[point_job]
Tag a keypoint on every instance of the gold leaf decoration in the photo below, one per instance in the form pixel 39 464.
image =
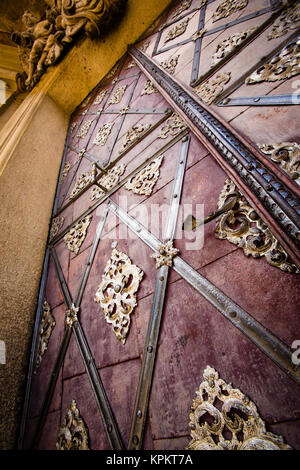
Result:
pixel 73 433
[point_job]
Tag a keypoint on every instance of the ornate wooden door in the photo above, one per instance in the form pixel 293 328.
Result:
pixel 168 313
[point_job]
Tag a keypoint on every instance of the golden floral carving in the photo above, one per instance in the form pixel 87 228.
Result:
pixel 289 20
pixel 284 65
pixel 243 227
pixel 133 134
pixel 56 225
pixel 84 180
pixel 228 45
pixel 165 254
pixel 185 5
pixel 234 422
pixel 149 88
pixel 177 30
pixel 76 236
pixel 108 181
pixel 46 327
pixel 100 97
pixel 45 39
pixel 144 181
pixel 116 292
pixel 73 433
pixel 117 95
pixel 287 155
pixel 71 316
pixel 103 133
pixel 228 7
pixel 84 129
pixel 170 64
pixel 174 124
pixel 209 90
pixel 66 169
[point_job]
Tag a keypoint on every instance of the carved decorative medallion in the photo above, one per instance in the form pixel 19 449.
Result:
pixel 199 34
pixel 144 181
pixel 289 20
pixel 209 90
pixel 100 97
pixel 228 7
pixel 45 39
pixel 71 316
pixel 117 95
pixel 228 45
pixel 243 227
pixel 284 65
pixel 133 134
pixel 116 292
pixel 149 88
pixel 170 65
pixel 108 181
pixel 84 129
pixel 103 133
pixel 287 155
pixel 56 225
pixel 84 180
pixel 174 124
pixel 165 254
pixel 73 433
pixel 75 237
pixel 223 418
pixel 46 327
pixel 177 30
pixel 185 5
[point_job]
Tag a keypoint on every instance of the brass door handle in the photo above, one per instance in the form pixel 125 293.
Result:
pixel 191 223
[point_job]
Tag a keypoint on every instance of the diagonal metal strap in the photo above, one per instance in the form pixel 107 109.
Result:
pixel 272 346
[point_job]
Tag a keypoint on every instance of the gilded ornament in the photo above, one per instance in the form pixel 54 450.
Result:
pixel 45 39
pixel 166 253
pixel 56 225
pixel 185 5
pixel 84 129
pixel 174 124
pixel 71 316
pixel 133 134
pixel 170 64
pixel 243 227
pixel 149 88
pixel 116 292
pixel 117 95
pixel 177 30
pixel 73 433
pixel 144 181
pixel 100 97
pixel 289 20
pixel 225 47
pixel 103 133
pixel 199 34
pixel 72 127
pixel 76 236
pixel 287 155
pixel 209 90
pixel 66 169
pixel 108 181
pixel 223 418
pixel 84 180
pixel 227 8
pixel 46 327
pixel 285 64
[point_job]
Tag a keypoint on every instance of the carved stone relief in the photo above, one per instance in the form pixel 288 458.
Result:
pixel 45 39
pixel 76 236
pixel 144 181
pixel 177 30
pixel 46 327
pixel 174 124
pixel 116 292
pixel 228 7
pixel 223 418
pixel 133 134
pixel 108 181
pixel 287 155
pixel 228 45
pixel 243 227
pixel 165 254
pixel 83 181
pixel 56 225
pixel 209 90
pixel 285 64
pixel 289 20
pixel 73 433
pixel 103 133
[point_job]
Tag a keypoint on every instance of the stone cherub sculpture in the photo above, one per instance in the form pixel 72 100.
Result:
pixel 44 40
